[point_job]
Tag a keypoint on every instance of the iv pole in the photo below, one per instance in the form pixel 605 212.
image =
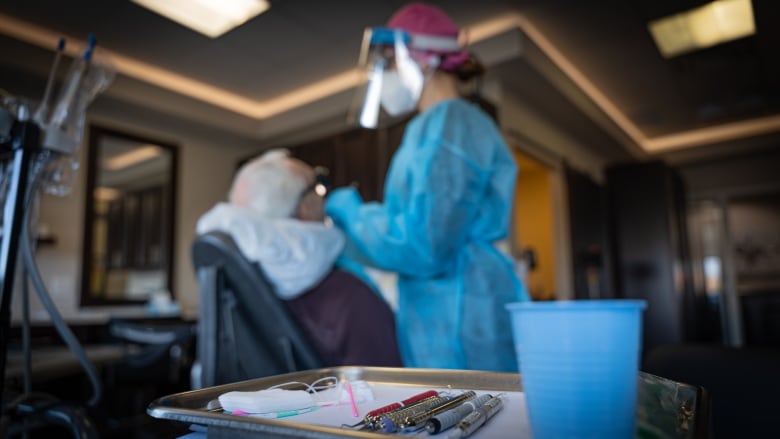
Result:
pixel 24 143
pixel 29 140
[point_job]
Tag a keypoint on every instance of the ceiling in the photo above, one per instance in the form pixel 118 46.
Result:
pixel 590 66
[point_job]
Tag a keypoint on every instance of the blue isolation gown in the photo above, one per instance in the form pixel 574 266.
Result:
pixel 448 199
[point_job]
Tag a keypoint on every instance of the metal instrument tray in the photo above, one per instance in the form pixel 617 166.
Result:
pixel 666 409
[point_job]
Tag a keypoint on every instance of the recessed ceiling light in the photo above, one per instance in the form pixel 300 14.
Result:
pixel 132 157
pixel 209 17
pixel 702 27
pixel 104 193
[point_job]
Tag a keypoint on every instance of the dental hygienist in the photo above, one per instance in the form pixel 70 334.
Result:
pixel 448 199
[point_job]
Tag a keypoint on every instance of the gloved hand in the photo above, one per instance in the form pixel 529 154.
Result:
pixel 342 203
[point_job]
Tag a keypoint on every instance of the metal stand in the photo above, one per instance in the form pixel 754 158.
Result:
pixel 24 143
pixel 30 411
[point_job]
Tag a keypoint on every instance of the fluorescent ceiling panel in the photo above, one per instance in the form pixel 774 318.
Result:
pixel 702 27
pixel 209 17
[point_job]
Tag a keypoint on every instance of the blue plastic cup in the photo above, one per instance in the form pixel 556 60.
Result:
pixel 579 365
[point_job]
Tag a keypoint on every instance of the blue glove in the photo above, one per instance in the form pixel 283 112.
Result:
pixel 342 203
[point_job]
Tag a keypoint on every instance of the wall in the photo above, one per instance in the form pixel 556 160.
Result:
pixel 719 183
pixel 649 249
pixel 543 139
pixel 534 224
pixel 540 136
pixel 207 159
pixel 746 174
pixel 588 226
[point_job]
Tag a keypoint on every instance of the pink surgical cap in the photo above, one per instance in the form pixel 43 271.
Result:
pixel 422 18
pixel 426 19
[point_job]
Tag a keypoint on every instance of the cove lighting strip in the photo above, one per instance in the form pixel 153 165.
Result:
pixel 349 79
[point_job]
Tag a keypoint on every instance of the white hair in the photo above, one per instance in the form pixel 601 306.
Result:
pixel 268 185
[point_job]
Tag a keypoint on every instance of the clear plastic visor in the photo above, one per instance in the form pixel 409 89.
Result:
pixel 392 80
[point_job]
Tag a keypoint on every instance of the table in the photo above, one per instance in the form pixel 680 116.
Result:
pixel 57 361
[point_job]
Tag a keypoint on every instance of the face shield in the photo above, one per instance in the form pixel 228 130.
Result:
pixel 392 61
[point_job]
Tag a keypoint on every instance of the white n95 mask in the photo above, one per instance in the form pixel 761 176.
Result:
pixel 396 65
pixel 396 98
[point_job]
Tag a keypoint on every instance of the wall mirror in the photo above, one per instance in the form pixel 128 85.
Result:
pixel 128 226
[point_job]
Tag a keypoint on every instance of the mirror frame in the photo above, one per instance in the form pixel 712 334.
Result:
pixel 97 134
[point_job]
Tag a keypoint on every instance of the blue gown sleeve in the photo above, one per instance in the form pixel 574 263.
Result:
pixel 419 233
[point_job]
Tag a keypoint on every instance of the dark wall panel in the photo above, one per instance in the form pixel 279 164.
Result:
pixel 647 230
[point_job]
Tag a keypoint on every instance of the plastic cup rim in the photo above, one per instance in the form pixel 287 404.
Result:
pixel 578 305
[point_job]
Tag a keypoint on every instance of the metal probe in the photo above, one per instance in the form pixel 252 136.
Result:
pixel 417 421
pixel 444 421
pixel 476 419
pixel 372 417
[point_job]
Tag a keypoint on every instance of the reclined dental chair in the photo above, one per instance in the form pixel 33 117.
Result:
pixel 244 330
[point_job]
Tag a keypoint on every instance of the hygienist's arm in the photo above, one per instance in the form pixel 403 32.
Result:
pixel 422 239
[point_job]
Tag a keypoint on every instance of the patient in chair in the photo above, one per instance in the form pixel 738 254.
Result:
pixel 275 216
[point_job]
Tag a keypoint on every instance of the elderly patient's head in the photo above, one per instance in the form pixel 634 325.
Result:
pixel 276 185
